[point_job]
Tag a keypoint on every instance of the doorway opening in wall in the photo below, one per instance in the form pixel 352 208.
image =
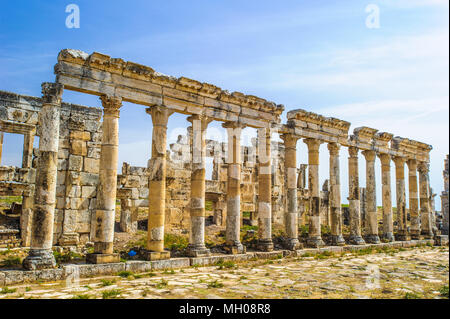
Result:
pixel 11 148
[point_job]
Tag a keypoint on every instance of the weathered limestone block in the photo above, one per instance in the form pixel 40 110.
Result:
pixel 354 198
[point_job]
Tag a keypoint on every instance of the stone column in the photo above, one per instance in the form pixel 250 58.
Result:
pixel 157 185
pixel 388 220
pixel 107 186
pixel 197 246
pixel 402 233
pixel 232 235
pixel 425 209
pixel 1 146
pixel 265 191
pixel 372 216
pixel 291 216
pixel 335 196
pixel 413 199
pixel 354 198
pixel 41 255
pixel 314 232
pixel 27 155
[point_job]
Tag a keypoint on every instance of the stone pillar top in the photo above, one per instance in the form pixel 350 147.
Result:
pixel 398 160
pixel 159 114
pixel 234 125
pixel 384 158
pixel 290 140
pixel 111 104
pixel 423 167
pixel 313 144
pixel 369 155
pixel 353 151
pixel 334 148
pixel 52 93
pixel 412 164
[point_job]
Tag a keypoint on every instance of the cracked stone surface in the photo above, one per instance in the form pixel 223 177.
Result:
pixel 397 273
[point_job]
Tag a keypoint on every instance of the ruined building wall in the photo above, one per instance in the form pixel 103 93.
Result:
pixel 78 164
pixel 445 199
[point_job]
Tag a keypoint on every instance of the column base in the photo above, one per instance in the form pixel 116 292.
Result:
pixel 415 235
pixel 389 237
pixel 198 251
pixel 315 242
pixel 403 237
pixel 155 255
pixel 292 244
pixel 356 240
pixel 264 245
pixel 98 258
pixel 39 259
pixel 235 249
pixel 373 239
pixel 427 235
pixel 337 240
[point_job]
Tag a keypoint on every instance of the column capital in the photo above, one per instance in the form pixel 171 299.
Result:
pixel 290 140
pixel 204 120
pixel 160 114
pixel 385 159
pixel 412 164
pixel 399 161
pixel 313 144
pixel 334 148
pixel 111 104
pixel 51 92
pixel 234 125
pixel 353 151
pixel 423 167
pixel 369 155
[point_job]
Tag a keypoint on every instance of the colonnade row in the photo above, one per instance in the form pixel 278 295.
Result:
pixel 40 255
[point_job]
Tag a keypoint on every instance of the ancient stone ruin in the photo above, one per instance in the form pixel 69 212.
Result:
pixel 70 184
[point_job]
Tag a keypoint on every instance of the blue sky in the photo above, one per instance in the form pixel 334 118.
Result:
pixel 317 55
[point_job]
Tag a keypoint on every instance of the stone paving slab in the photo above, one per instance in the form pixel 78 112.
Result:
pixel 11 277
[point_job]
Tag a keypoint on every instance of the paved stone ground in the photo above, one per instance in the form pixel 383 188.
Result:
pixel 395 273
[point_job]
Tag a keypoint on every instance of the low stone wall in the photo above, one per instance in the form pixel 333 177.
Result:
pixel 9 238
pixel 14 277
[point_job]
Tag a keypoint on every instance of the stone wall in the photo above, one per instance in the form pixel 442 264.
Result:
pixel 445 200
pixel 78 165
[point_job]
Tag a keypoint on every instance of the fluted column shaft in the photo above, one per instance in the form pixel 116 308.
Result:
pixel 413 199
pixel 265 191
pixel 197 210
pixel 388 221
pixel 425 207
pixel 372 216
pixel 335 195
pixel 157 183
pixel 40 255
pixel 354 197
pixel 233 222
pixel 107 187
pixel 401 201
pixel 291 216
pixel 314 232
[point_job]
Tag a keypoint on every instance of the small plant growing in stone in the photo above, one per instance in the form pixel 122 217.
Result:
pixel 225 264
pixel 411 295
pixel 444 291
pixel 27 289
pixel 215 284
pixel 125 274
pixel 106 282
pixel 6 290
pixel 162 284
pixel 168 272
pixel 10 261
pixel 111 294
